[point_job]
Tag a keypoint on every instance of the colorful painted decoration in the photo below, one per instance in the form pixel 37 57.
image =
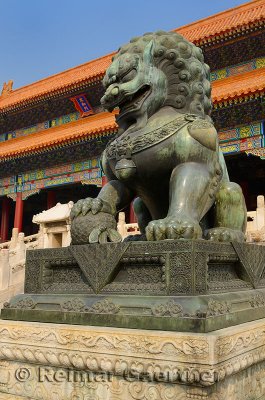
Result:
pixel 82 105
pixel 242 138
pixel 65 179
pixel 83 171
pixel 241 132
pixel 237 69
pixel 257 152
pixel 242 145
pixel 64 119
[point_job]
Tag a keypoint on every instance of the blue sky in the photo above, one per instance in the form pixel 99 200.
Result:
pixel 39 38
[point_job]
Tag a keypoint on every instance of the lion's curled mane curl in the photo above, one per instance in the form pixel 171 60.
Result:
pixel 189 88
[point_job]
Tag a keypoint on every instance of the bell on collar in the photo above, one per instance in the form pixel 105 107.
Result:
pixel 125 169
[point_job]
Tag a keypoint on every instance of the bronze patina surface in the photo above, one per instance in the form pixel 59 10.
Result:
pixel 166 153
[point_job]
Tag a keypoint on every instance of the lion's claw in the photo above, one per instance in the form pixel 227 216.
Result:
pixel 220 234
pixel 76 209
pixel 96 206
pixel 173 228
pixel 86 205
pixel 104 235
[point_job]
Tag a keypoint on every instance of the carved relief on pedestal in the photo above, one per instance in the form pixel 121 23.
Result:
pixel 127 352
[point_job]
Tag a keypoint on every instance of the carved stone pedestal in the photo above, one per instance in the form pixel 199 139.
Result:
pixel 171 320
pixel 55 362
pixel 183 286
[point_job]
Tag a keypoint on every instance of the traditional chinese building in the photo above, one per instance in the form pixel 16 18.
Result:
pixel 53 131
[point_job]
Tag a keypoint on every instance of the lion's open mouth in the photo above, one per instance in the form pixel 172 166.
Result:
pixel 134 102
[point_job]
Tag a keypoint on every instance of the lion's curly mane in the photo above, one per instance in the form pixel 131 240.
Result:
pixel 188 77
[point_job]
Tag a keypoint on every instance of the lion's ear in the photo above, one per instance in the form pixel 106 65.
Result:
pixel 149 53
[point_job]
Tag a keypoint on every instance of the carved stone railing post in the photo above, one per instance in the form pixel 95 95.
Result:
pixel 14 238
pixel 4 269
pixel 256 223
pixel 126 229
pixel 121 225
pixel 260 212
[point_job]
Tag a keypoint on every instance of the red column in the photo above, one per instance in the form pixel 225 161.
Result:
pixel 19 212
pixel 104 180
pixel 5 219
pixel 51 199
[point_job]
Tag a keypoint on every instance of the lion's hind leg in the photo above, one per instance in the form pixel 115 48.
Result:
pixel 143 218
pixel 230 214
pixel 142 213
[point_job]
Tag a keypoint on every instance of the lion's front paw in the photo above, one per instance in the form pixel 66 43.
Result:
pixel 225 235
pixel 86 205
pixel 180 227
pixel 90 228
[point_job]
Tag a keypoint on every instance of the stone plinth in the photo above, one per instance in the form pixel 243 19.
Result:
pixel 54 362
pixel 184 286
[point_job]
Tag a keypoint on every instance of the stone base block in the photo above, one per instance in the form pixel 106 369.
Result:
pixel 189 286
pixel 54 362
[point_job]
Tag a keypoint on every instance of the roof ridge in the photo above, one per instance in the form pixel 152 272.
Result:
pixel 94 69
pixel 15 91
pixel 259 3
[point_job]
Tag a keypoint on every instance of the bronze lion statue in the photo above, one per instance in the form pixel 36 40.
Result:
pixel 166 154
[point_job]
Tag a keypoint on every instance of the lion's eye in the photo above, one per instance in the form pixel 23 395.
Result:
pixel 129 76
pixel 113 79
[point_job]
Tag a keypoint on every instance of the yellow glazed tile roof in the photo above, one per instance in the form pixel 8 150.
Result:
pixel 225 21
pixel 239 85
pixel 82 73
pixel 99 124
pixel 242 15
pixel 92 126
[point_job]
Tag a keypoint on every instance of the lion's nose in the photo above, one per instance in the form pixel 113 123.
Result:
pixel 103 100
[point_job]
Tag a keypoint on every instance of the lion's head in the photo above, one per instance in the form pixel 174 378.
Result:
pixel 156 70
